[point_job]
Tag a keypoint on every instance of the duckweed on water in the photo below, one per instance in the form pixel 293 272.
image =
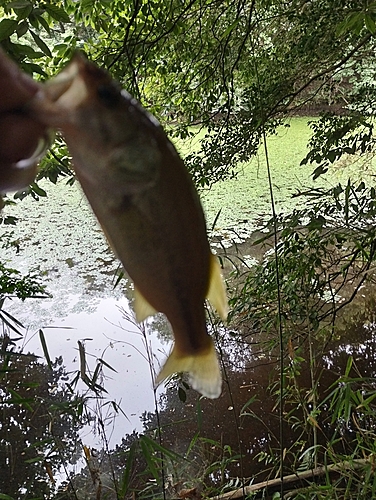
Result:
pixel 244 203
pixel 60 237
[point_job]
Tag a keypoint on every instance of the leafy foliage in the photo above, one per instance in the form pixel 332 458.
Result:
pixel 320 249
pixel 12 284
pixel 235 68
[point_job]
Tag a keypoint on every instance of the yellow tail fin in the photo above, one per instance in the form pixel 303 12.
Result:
pixel 203 370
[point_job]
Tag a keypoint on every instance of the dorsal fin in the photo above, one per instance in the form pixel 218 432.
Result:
pixel 217 291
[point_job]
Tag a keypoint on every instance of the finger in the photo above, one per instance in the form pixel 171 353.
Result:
pixel 19 137
pixel 16 88
pixel 16 177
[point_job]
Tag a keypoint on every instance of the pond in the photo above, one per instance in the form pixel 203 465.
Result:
pixel 59 238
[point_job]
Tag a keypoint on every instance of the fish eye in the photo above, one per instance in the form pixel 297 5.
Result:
pixel 109 95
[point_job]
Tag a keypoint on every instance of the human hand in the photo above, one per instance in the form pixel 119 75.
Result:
pixel 20 135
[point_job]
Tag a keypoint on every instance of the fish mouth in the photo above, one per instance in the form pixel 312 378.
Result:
pixel 68 89
pixel 57 100
pixel 60 83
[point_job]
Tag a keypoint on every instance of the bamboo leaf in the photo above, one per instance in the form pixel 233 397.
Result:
pixel 107 365
pixel 19 5
pixel 45 349
pixel 125 479
pixel 57 13
pixel 149 459
pixel 41 44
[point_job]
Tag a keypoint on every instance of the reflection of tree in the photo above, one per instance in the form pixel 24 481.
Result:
pixel 38 425
pixel 201 438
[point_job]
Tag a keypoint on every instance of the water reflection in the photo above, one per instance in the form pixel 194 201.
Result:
pixel 107 335
pixel 234 430
pixel 246 416
pixel 38 430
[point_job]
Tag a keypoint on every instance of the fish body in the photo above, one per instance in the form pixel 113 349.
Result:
pixel 146 203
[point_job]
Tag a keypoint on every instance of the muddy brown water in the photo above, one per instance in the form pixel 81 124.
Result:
pixel 258 430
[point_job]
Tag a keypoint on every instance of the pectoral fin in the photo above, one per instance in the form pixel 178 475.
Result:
pixel 217 290
pixel 202 368
pixel 142 308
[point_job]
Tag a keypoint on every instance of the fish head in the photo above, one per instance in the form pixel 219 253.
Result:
pixel 112 139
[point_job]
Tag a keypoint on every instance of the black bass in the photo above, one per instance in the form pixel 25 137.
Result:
pixel 146 203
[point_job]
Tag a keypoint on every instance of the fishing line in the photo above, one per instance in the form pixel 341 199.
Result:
pixel 277 277
pixel 142 328
pixel 237 423
pixel 279 302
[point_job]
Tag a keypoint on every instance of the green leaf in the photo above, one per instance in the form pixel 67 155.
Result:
pixel 41 44
pixel 10 220
pixel 153 445
pixel 332 155
pixel 60 48
pixel 349 364
pixel 316 223
pixel 119 278
pixel 370 23
pixel 19 5
pixel 7 28
pixel 25 50
pixel 148 456
pixel 22 29
pixel 33 68
pixel 34 460
pixel 57 13
pixel 3 496
pixel 125 479
pixel 38 190
pixel 44 23
pixel 321 169
pixel 230 28
pixel 19 400
pixel 24 12
pixel 87 5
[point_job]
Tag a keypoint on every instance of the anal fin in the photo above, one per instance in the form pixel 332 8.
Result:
pixel 142 308
pixel 217 291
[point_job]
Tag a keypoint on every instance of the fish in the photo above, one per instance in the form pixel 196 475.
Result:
pixel 148 207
